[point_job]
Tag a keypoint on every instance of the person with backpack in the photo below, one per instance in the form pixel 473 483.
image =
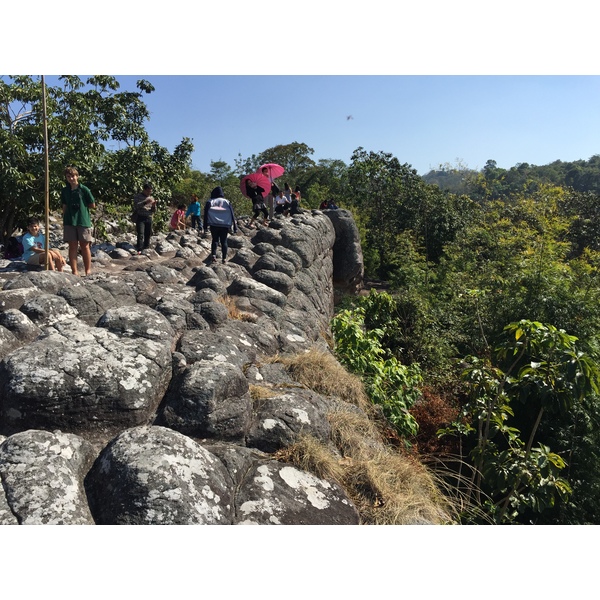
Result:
pixel 218 215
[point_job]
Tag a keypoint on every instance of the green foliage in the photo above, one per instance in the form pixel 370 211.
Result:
pixel 86 120
pixel 537 365
pixel 389 383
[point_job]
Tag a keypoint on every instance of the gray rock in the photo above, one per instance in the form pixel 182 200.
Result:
pixel 90 301
pixel 8 342
pixel 19 324
pixel 138 321
pixel 213 313
pixel 42 477
pixel 246 286
pixel 278 281
pixel 48 309
pixel 15 298
pixel 279 420
pixel 78 378
pixel 156 476
pixel 348 265
pixel 272 493
pixel 210 400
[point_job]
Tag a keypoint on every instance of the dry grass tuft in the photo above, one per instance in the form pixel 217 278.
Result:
pixel 321 372
pixel 387 486
pixel 234 312
pixel 309 454
pixel 260 392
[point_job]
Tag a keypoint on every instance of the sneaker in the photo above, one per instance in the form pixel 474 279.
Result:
pixel 213 259
pixel 224 261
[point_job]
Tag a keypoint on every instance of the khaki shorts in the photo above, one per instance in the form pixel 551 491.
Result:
pixel 72 233
pixel 34 259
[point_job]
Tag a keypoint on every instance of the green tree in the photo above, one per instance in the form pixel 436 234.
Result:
pixel 85 119
pixel 542 369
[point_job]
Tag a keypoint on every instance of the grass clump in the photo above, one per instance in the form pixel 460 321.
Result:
pixel 234 312
pixel 321 372
pixel 387 486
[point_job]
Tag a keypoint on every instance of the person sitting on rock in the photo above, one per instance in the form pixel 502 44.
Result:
pixel 295 206
pixel 281 204
pixel 34 248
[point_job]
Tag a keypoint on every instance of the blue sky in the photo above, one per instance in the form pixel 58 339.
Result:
pixel 422 120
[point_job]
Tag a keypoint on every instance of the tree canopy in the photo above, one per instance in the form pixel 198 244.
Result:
pixel 86 120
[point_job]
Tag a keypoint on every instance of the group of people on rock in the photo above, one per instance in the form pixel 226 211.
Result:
pixel 279 201
pixel 328 205
pixel 219 219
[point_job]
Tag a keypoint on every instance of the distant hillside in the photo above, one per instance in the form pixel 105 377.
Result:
pixel 581 175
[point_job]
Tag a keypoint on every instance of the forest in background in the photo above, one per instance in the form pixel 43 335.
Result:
pixel 483 352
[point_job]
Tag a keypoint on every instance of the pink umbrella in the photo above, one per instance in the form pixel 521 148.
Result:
pixel 259 179
pixel 274 169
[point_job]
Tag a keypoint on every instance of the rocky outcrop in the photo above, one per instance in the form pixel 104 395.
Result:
pixel 127 397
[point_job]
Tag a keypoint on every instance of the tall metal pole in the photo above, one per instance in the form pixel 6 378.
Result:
pixel 47 175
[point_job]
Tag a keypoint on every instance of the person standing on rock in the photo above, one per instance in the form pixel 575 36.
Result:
pixel 144 206
pixel 77 223
pixel 193 211
pixel 218 215
pixel 255 193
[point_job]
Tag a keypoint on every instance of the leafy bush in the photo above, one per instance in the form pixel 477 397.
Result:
pixel 540 367
pixel 390 384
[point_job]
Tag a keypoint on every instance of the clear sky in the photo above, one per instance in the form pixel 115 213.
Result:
pixel 422 120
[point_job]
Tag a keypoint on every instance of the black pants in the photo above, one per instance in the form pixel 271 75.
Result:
pixel 262 210
pixel 219 237
pixel 143 228
pixel 195 221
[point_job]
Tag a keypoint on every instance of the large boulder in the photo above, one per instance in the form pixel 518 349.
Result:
pixel 287 414
pixel 272 493
pixel 42 478
pixel 209 400
pixel 348 265
pixel 78 378
pixel 156 476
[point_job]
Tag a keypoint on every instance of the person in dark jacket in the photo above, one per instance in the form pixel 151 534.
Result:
pixel 144 206
pixel 218 215
pixel 255 193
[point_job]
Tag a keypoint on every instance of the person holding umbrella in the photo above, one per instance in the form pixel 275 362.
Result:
pixel 272 171
pixel 218 215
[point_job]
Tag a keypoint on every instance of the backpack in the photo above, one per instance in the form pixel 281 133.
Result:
pixel 219 213
pixel 14 248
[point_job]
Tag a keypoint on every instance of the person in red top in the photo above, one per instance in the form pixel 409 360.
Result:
pixel 178 219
